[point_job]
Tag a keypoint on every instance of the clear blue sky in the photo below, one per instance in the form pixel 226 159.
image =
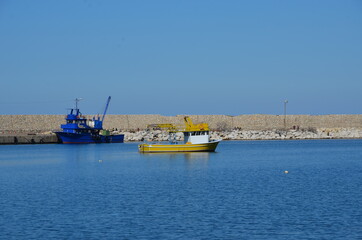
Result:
pixel 181 57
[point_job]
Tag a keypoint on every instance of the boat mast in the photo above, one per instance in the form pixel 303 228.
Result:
pixel 105 110
pixel 76 102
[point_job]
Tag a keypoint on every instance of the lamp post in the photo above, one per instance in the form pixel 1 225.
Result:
pixel 285 114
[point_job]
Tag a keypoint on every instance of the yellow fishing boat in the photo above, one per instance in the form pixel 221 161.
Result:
pixel 196 139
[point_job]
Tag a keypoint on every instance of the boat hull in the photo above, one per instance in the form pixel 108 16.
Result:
pixel 70 138
pixel 201 147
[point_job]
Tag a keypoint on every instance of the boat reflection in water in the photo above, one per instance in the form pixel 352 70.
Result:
pixel 192 159
pixel 197 156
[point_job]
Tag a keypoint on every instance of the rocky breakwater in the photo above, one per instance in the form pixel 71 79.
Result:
pixel 149 135
pixel 322 133
pixel 237 134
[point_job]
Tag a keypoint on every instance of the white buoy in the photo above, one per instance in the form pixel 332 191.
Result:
pixel 100 160
pixel 286 172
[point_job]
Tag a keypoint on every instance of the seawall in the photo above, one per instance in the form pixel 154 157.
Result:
pixel 235 134
pixel 16 138
pixel 41 123
pixel 30 129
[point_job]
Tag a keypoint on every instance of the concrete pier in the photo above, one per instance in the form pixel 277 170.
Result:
pixel 28 139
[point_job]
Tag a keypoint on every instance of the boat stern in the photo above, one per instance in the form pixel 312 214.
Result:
pixel 142 147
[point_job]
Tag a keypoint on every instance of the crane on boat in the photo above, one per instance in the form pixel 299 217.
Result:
pixel 189 126
pixel 106 108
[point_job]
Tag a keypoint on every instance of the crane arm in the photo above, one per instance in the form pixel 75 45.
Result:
pixel 105 110
pixel 190 126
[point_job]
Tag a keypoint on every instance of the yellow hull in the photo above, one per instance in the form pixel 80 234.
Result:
pixel 201 147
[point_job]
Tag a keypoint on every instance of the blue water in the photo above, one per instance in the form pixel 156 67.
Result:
pixel 110 191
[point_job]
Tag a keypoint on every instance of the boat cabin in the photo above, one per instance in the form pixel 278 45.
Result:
pixel 196 137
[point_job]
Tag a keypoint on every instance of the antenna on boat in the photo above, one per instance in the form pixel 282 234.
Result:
pixel 76 102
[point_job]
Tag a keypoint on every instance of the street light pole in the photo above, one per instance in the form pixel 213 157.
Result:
pixel 285 114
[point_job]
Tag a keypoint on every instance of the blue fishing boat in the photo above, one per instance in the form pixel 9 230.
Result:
pixel 79 129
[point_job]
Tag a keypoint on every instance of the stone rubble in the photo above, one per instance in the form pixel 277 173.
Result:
pixel 237 134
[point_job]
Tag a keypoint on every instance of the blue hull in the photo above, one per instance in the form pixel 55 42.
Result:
pixel 88 138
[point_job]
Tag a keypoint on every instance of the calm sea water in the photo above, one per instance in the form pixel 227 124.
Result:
pixel 110 191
